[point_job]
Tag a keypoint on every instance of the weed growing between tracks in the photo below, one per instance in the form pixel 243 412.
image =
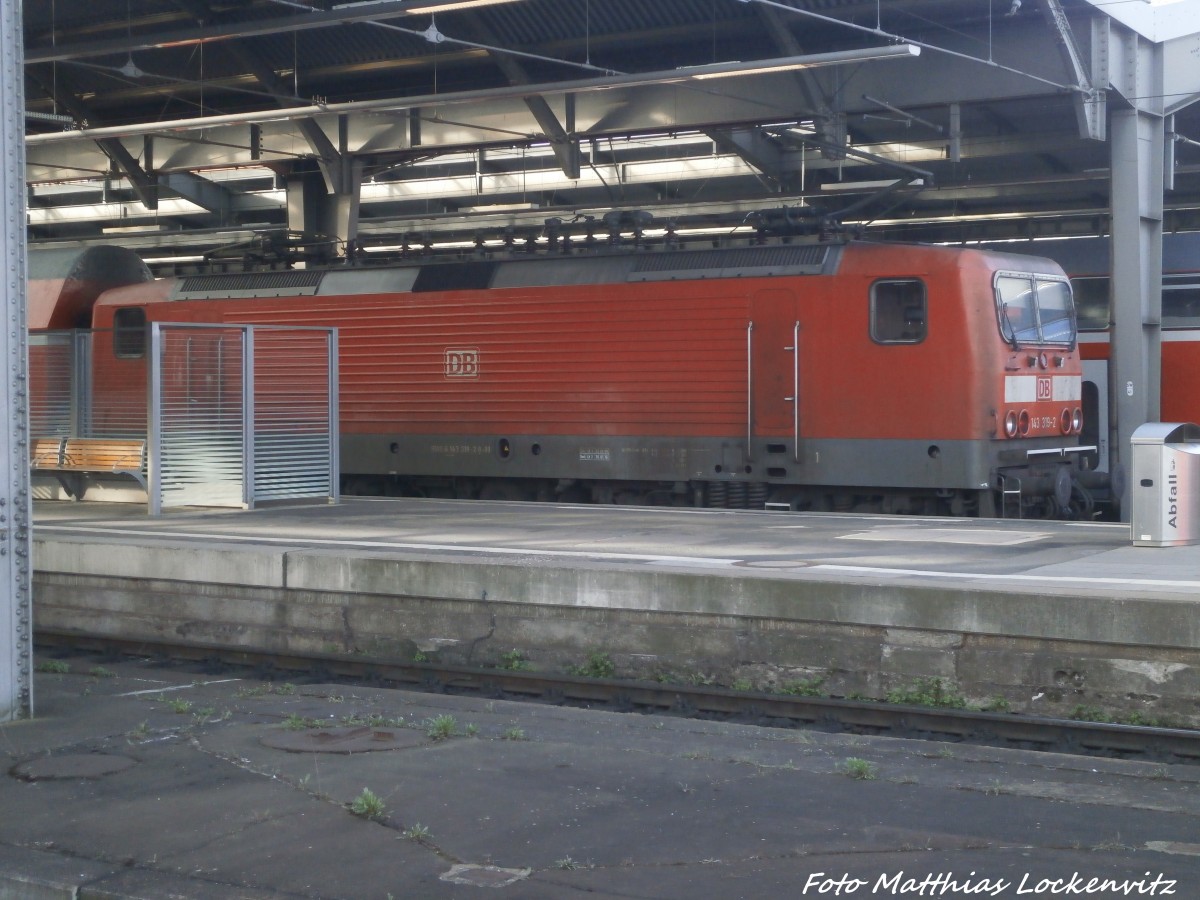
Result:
pixel 928 692
pixel 860 769
pixel 439 728
pixel 368 805
pixel 598 665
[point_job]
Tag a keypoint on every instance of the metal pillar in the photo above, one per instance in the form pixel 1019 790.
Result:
pixel 340 219
pixel 154 419
pixel 1135 370
pixel 313 210
pixel 16 614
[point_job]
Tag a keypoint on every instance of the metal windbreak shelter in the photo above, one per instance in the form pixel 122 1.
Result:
pixel 230 415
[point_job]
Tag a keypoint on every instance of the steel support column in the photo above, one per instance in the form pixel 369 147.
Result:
pixel 16 614
pixel 1135 370
pixel 315 212
pixel 341 210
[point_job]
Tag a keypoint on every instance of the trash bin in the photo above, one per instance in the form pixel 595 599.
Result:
pixel 1165 485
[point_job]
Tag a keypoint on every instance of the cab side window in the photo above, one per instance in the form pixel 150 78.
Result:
pixel 898 311
pixel 129 332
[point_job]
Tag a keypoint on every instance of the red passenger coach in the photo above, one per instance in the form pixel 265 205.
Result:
pixel 808 375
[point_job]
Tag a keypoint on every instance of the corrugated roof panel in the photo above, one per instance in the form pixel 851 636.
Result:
pixel 553 20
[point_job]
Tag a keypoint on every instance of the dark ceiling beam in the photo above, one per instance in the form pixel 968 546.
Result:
pixel 214 32
pixel 336 212
pixel 331 161
pixel 1004 125
pixel 215 198
pixel 562 141
pixel 334 165
pixel 815 99
pixel 755 148
pixel 143 185
pixel 64 96
pixel 1090 106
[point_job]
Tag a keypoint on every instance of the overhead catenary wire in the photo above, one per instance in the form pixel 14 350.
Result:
pixel 879 32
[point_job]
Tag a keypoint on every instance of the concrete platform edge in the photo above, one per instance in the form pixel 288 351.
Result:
pixel 1052 654
pixel 1066 616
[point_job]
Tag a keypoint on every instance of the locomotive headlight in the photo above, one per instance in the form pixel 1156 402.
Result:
pixel 1077 419
pixel 1043 360
pixel 1010 424
pixel 1067 421
pixel 1023 423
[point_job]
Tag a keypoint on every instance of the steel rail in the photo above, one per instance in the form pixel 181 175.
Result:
pixel 1018 731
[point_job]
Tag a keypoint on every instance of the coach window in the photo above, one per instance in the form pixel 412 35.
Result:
pixel 1180 302
pixel 1091 302
pixel 129 332
pixel 898 311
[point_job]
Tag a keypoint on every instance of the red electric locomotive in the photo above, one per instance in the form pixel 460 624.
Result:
pixel 825 376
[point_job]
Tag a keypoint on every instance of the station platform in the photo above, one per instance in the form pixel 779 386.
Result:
pixel 151 782
pixel 1042 617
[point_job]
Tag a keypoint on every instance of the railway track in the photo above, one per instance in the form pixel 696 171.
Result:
pixel 776 710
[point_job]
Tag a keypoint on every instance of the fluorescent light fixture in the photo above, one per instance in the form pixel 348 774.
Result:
pixel 957 218
pixel 427 8
pixel 34 116
pixel 794 63
pixel 500 207
pixel 868 185
pixel 133 229
pixel 163 260
pixel 457 4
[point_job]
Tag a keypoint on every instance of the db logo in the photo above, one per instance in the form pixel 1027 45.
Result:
pixel 462 363
pixel 1044 391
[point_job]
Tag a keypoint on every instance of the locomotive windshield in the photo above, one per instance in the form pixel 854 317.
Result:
pixel 1035 309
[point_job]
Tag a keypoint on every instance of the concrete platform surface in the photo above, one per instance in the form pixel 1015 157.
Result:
pixel 142 781
pixel 1052 618
pixel 1018 556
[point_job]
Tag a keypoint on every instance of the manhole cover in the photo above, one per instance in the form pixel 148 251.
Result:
pixel 351 739
pixel 484 876
pixel 72 765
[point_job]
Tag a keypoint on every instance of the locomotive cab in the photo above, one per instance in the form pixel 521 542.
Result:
pixel 1043 395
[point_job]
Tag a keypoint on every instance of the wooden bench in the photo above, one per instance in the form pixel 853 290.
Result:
pixel 46 453
pixel 72 460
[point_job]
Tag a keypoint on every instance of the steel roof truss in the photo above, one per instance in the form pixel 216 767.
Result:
pixel 65 97
pixel 1090 107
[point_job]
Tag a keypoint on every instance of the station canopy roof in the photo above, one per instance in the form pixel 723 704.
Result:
pixel 181 126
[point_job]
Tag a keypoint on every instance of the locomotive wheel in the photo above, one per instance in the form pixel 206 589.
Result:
pixel 573 494
pixel 1062 488
pixel 1083 503
pixel 361 486
pixel 503 490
